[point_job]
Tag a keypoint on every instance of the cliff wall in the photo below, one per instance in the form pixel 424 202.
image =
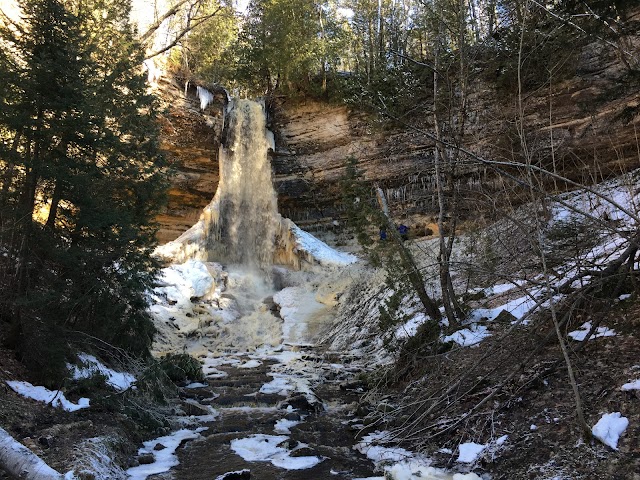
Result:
pixel 584 127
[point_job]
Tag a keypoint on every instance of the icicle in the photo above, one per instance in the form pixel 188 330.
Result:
pixel 205 96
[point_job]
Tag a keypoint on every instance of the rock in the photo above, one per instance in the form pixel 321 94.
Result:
pixel 302 452
pixel 293 416
pixel 86 476
pixel 301 402
pixel 363 410
pixel 371 419
pixel 353 385
pixel 46 442
pixel 146 458
pixel 191 408
pixel 237 475
pixel 505 317
pixel 289 444
pixel 159 447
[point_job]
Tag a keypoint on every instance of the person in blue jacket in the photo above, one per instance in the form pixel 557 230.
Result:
pixel 403 230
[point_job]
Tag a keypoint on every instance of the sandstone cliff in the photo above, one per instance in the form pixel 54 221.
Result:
pixel 584 127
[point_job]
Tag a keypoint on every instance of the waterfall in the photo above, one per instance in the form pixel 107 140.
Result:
pixel 244 229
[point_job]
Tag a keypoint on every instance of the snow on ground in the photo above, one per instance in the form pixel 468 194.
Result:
pixel 518 307
pixel 165 458
pixel 285 383
pixel 209 367
pixel 322 252
pixel 635 385
pixel 267 448
pixel 235 474
pixel 468 337
pixel 120 381
pixel 580 334
pixel 41 394
pixel 196 385
pixel 304 317
pixel 413 470
pixel 95 458
pixel 283 425
pixel 410 328
pixel 280 385
pixel 469 452
pixel 370 445
pixel 250 364
pixel 609 428
pixel 620 190
pixel 401 464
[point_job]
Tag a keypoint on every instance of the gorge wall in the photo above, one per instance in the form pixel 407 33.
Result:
pixel 584 126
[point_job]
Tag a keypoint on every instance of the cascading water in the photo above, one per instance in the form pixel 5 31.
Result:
pixel 244 229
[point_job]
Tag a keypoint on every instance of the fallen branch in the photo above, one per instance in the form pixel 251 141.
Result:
pixel 22 463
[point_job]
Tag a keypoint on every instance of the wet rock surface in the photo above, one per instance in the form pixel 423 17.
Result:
pixel 324 428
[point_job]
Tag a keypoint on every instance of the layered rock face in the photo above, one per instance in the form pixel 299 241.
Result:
pixel 584 127
pixel 190 142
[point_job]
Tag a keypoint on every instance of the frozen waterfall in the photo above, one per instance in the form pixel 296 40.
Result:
pixel 244 229
pixel 242 225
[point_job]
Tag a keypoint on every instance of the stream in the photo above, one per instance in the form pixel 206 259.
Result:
pixel 273 430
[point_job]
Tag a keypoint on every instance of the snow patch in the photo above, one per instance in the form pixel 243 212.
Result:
pixel 416 470
pixel 469 452
pixel 580 334
pixel 518 307
pixel 467 337
pixel 410 328
pixel 165 458
pixel 609 428
pixel 41 394
pixel 322 252
pixel 266 448
pixel 404 465
pixel 235 474
pixel 250 364
pixel 283 425
pixel 120 381
pixel 196 385
pixel 635 385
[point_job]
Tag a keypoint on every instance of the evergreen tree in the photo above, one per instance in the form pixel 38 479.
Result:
pixel 81 180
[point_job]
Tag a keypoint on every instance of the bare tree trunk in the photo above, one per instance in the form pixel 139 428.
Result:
pixel 55 202
pixel 21 462
pixel 408 263
pixel 444 254
pixel 586 431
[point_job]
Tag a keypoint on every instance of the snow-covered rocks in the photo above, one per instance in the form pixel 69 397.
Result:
pixel 269 448
pixel 191 279
pixel 318 250
pixel 401 464
pixel 163 459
